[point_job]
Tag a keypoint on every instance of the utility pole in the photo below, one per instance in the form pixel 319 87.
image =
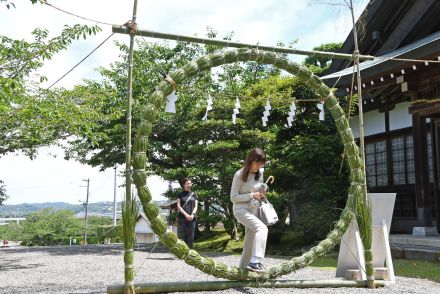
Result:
pixel 86 205
pixel 114 200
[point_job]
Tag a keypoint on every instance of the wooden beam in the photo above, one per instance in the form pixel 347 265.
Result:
pixel 425 109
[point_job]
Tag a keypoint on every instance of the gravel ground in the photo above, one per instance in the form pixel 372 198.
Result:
pixel 90 269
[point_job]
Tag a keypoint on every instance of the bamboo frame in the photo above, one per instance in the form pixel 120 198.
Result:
pixel 159 35
pixel 223 285
pixel 363 208
pixel 129 212
pixel 156 102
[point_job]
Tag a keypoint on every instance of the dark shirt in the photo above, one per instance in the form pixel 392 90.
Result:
pixel 189 207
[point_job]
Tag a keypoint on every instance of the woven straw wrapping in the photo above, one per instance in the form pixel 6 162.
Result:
pixel 156 101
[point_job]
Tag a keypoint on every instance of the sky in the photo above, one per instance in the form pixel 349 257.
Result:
pixel 50 178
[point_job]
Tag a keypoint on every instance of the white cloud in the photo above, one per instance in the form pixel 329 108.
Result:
pixel 266 22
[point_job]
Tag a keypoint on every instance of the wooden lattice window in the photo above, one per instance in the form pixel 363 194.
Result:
pixel 376 163
pixel 402 160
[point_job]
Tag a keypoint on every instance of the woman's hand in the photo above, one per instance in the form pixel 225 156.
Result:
pixel 190 217
pixel 257 195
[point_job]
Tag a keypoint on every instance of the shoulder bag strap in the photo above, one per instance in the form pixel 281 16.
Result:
pixel 187 200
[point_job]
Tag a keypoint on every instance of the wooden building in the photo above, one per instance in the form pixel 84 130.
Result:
pixel 171 209
pixel 401 105
pixel 143 231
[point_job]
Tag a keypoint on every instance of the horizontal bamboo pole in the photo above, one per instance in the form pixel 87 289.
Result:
pixel 165 287
pixel 159 35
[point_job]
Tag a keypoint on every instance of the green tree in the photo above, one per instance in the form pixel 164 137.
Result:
pixel 29 116
pixel 11 231
pixel 56 227
pixel 207 151
pixel 3 195
pixel 182 145
pixel 97 228
pixel 305 159
pixel 10 4
pixel 318 64
pixel 50 227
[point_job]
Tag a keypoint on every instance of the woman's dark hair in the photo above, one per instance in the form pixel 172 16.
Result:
pixel 183 181
pixel 257 155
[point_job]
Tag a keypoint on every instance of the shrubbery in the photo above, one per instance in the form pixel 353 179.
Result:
pixel 58 227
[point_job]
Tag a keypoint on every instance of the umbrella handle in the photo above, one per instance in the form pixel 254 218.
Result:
pixel 270 179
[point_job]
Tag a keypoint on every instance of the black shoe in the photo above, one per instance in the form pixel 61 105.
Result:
pixel 256 267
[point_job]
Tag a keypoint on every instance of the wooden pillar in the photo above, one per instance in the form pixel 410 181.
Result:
pixel 424 214
pixel 435 129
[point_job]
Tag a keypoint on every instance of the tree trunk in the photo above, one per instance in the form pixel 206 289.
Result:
pixel 207 223
pixel 235 236
pixel 292 207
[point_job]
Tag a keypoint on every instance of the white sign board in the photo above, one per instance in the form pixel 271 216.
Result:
pixel 351 249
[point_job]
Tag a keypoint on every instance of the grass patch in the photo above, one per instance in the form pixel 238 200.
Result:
pixel 219 241
pixel 290 244
pixel 417 269
pixel 402 267
pixel 328 262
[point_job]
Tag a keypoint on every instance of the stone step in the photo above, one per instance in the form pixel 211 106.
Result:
pixel 410 240
pixel 422 254
pixel 416 253
pixel 380 273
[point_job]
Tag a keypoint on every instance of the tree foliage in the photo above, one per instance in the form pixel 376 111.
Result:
pixel 211 151
pixel 56 227
pixel 50 227
pixel 319 65
pixel 305 156
pixel 305 159
pixel 3 195
pixel 182 144
pixel 29 116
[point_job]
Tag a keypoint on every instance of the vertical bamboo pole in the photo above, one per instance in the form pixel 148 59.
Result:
pixel 129 210
pixel 364 213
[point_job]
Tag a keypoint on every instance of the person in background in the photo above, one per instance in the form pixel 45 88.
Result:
pixel 187 203
pixel 244 197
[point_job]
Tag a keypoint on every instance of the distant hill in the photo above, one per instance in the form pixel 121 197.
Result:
pixel 22 210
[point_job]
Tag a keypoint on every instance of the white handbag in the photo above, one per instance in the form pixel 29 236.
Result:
pixel 268 215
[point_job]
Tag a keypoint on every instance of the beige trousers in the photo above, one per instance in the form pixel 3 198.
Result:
pixel 255 236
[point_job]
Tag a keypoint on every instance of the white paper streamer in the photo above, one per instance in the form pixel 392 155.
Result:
pixel 237 103
pixel 236 110
pixel 321 113
pixel 266 113
pixel 208 107
pixel 267 107
pixel 171 103
pixel 291 115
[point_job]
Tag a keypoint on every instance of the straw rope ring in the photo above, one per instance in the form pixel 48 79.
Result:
pixel 208 265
